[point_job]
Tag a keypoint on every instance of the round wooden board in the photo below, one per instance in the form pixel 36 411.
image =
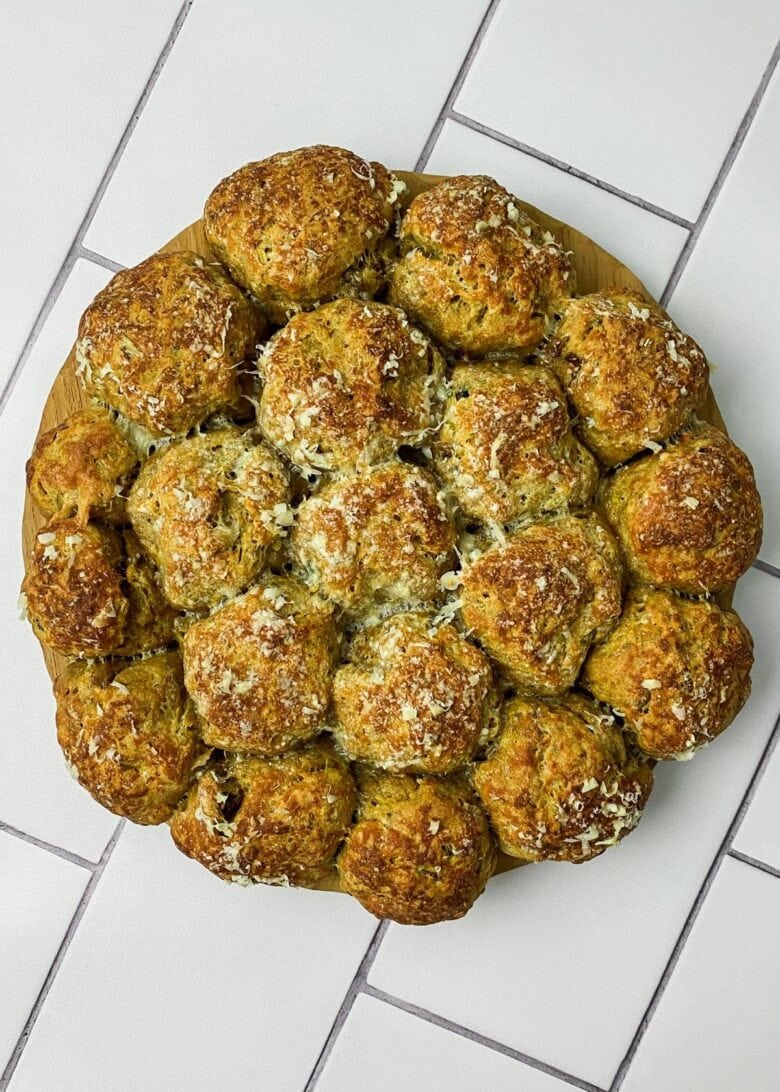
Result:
pixel 595 269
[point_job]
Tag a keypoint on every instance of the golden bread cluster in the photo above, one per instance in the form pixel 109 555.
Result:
pixel 377 550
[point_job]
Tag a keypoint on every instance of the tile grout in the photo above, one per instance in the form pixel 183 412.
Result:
pixel 76 250
pixel 567 168
pixel 724 849
pixel 754 862
pixel 457 84
pixel 98 259
pixel 59 957
pixel 49 847
pixel 476 1037
pixel 765 567
pixel 355 986
pixel 725 169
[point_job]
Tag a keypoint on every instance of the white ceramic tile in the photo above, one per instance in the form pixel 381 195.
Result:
pixel 759 833
pixel 646 97
pixel 646 243
pixel 39 894
pixel 560 962
pixel 69 79
pixel 728 298
pixel 36 792
pixel 715 1029
pixel 177 980
pixel 247 79
pixel 383 1049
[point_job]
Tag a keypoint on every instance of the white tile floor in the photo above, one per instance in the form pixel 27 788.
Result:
pixel 644 97
pixel 70 79
pixel 655 967
pixel 43 891
pixel 385 1049
pixel 716 1024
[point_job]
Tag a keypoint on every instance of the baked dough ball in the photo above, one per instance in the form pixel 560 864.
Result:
pixel 82 467
pixel 268 820
pixel 559 784
pixel 151 620
pixel 73 588
pixel 476 270
pixel 505 449
pixel 206 509
pixel 413 696
pixel 421 850
pixel 632 376
pixel 304 226
pixel 689 517
pixel 260 668
pixel 129 733
pixel 536 601
pixel 89 591
pixel 375 538
pixel 162 342
pixel 347 384
pixel 677 670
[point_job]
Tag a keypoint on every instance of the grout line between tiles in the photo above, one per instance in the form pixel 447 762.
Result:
pixel 76 249
pixel 57 851
pixel 765 567
pixel 724 849
pixel 754 862
pixel 57 962
pixel 99 259
pixel 355 987
pixel 454 91
pixel 559 164
pixel 720 178
pixel 476 1037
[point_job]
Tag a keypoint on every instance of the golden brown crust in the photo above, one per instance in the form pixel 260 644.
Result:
pixel 129 734
pixel 505 448
pixel 476 270
pixel 206 509
pixel 260 668
pixel 304 226
pixel 421 849
pixel 677 670
pixel 375 538
pixel 268 820
pixel 413 696
pixel 90 591
pixel 346 384
pixel 73 588
pixel 162 342
pixel 631 375
pixel 536 601
pixel 688 517
pixel 559 784
pixel 82 467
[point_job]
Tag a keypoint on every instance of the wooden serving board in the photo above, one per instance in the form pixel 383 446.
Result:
pixel 595 269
